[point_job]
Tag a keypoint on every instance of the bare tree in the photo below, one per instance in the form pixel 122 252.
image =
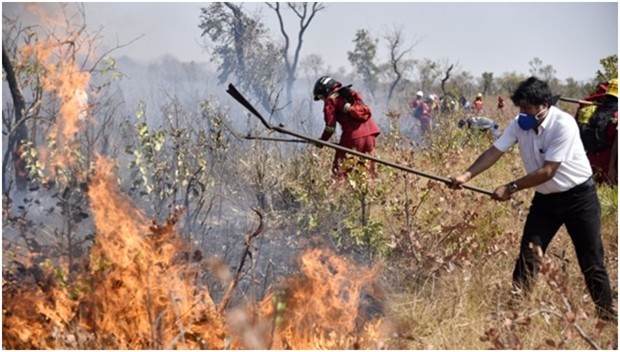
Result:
pixel 305 14
pixel 538 69
pixel 312 67
pixel 445 79
pixel 397 62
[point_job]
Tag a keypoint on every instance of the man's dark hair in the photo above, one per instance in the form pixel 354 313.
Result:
pixel 532 91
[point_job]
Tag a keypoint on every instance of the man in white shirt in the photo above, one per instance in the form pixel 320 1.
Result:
pixel 558 168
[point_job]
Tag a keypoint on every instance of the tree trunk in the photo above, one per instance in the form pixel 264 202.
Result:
pixel 445 79
pixel 19 134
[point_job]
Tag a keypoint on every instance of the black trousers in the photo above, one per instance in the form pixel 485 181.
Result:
pixel 579 210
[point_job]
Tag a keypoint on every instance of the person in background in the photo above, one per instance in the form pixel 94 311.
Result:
pixel 500 104
pixel 425 115
pixel 448 104
pixel 478 104
pixel 435 104
pixel 465 104
pixel 356 134
pixel 480 123
pixel 417 101
pixel 422 111
pixel 557 167
pixel 598 126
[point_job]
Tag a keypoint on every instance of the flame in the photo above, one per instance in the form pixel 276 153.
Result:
pixel 320 308
pixel 140 292
pixel 69 83
pixel 144 281
pixel 137 287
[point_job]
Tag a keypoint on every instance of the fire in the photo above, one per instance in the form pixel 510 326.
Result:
pixel 138 286
pixel 69 83
pixel 320 308
pixel 144 289
pixel 140 292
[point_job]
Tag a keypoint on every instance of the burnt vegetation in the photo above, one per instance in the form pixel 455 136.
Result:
pixel 138 219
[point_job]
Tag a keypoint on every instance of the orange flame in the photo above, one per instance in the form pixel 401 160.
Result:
pixel 69 83
pixel 141 292
pixel 320 309
pixel 138 287
pixel 144 292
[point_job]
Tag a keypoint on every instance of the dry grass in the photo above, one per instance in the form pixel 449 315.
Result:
pixel 446 260
pixel 465 303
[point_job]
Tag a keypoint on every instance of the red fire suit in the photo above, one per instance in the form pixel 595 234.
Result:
pixel 357 135
pixel 600 160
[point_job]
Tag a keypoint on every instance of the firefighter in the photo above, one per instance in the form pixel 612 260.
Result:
pixel 478 104
pixel 481 123
pixel 500 104
pixel 598 125
pixel 424 113
pixel 419 96
pixel 356 134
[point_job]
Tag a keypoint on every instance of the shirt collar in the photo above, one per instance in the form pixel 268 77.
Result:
pixel 543 125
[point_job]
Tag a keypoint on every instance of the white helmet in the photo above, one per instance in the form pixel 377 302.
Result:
pixel 419 94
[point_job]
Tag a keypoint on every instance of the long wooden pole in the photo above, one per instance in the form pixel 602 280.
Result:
pixel 579 101
pixel 241 99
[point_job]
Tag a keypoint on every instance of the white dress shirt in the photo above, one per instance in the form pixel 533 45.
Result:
pixel 557 140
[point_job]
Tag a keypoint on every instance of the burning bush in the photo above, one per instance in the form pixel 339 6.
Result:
pixel 139 290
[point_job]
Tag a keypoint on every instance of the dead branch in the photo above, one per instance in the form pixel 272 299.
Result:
pixel 445 79
pixel 578 328
pixel 244 256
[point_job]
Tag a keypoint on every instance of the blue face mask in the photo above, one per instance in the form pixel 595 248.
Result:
pixel 527 121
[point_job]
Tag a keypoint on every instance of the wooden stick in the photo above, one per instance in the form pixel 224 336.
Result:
pixel 246 253
pixel 241 99
pixel 579 101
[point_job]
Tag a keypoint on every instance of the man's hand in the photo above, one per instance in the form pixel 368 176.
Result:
pixel 501 193
pixel 458 181
pixel 318 145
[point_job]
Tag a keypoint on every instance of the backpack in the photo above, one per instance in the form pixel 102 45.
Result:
pixel 354 106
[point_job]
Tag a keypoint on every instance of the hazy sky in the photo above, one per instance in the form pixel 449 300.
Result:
pixel 480 37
